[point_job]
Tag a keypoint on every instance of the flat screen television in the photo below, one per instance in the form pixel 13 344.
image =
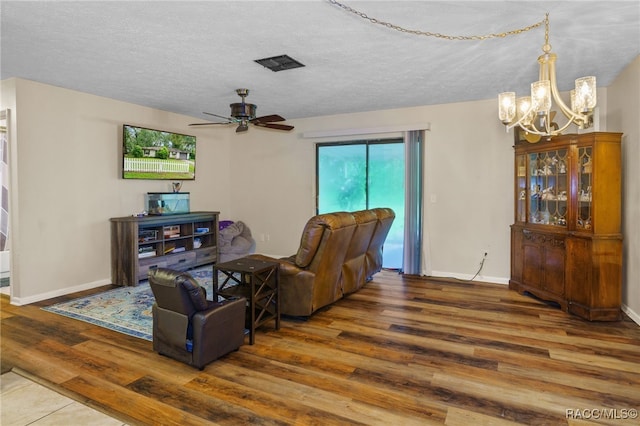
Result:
pixel 156 154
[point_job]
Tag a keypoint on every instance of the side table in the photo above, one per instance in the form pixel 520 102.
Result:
pixel 257 281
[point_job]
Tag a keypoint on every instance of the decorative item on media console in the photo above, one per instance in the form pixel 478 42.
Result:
pixel 176 186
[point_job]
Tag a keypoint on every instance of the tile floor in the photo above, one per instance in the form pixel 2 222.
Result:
pixel 24 402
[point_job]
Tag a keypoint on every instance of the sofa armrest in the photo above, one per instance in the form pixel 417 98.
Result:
pixel 224 321
pixel 217 314
pixel 287 265
pixel 171 327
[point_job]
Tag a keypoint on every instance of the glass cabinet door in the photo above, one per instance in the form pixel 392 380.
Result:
pixel 548 187
pixel 583 219
pixel 521 188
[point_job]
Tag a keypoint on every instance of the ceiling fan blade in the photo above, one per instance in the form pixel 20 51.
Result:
pixel 230 119
pixel 205 124
pixel 268 118
pixel 274 126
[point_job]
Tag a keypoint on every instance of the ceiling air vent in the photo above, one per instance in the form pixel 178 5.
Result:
pixel 279 63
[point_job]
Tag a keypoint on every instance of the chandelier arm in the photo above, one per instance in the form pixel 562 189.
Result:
pixel 533 130
pixel 563 128
pixel 571 116
pixel 530 128
pixel 526 128
pixel 519 122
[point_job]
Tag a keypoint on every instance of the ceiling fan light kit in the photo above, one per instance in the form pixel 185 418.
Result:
pixel 243 114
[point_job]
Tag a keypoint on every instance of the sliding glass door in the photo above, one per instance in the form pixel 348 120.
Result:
pixel 361 175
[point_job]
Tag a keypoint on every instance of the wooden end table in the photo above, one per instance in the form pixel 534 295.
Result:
pixel 257 281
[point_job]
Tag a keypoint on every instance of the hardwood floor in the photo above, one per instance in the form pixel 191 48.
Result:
pixel 401 351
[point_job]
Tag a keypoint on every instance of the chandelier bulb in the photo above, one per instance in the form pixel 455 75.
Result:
pixel 507 107
pixel 541 95
pixel 585 92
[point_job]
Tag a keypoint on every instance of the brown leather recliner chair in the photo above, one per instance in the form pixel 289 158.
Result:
pixel 373 259
pixel 310 279
pixel 353 270
pixel 189 328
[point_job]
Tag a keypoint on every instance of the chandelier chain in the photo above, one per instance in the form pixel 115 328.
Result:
pixel 439 35
pixel 547 47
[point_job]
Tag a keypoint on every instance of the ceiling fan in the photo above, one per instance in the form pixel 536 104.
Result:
pixel 243 113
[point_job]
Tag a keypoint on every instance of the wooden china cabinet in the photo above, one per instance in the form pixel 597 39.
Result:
pixel 566 243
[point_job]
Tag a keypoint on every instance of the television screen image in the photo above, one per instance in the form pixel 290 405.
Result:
pixel 156 154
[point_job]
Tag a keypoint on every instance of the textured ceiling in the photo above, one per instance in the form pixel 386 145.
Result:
pixel 189 57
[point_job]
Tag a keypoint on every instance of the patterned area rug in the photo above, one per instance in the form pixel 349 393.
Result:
pixel 125 309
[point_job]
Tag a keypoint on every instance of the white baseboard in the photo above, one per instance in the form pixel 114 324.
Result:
pixel 467 277
pixel 21 301
pixel 633 315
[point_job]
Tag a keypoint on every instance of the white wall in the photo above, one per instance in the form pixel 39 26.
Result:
pixel 65 184
pixel 470 175
pixel 624 110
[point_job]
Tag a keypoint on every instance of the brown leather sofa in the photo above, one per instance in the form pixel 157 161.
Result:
pixel 373 259
pixel 189 328
pixel 338 253
pixel 354 272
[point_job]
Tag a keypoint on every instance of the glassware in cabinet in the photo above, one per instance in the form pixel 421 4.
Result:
pixel 585 185
pixel 521 188
pixel 548 183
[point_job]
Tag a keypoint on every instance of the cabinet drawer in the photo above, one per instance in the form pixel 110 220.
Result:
pixel 206 255
pixel 148 264
pixel 181 261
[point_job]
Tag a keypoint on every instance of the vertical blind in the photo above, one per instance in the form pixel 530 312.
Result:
pixel 412 258
pixel 4 181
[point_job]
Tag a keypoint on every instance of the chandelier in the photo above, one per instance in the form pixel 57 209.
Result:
pixel 533 113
